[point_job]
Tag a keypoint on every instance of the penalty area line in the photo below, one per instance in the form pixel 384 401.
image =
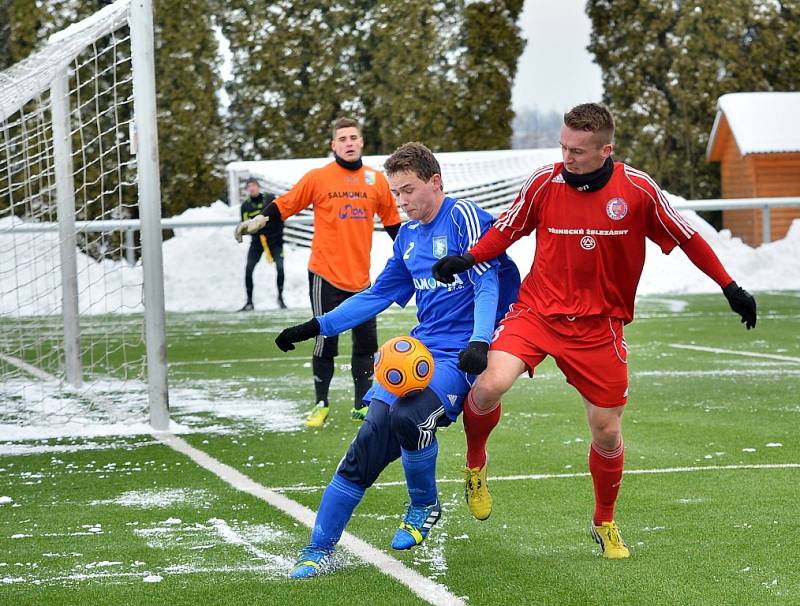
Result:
pixel 425 588
pixel 567 476
pixel 734 352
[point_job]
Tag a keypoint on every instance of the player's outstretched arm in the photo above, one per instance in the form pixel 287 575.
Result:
pixel 295 334
pixel 257 223
pixel 473 358
pixel 702 255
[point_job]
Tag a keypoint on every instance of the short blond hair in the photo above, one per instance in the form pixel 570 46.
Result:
pixel 594 118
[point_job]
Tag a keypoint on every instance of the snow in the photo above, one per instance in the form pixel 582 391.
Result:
pixel 764 122
pixel 6 500
pixel 204 269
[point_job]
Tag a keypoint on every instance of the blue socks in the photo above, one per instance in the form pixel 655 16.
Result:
pixel 338 502
pixel 420 470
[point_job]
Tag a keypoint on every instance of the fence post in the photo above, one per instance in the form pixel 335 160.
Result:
pixel 65 201
pixel 144 104
pixel 766 225
pixel 233 187
pixel 130 247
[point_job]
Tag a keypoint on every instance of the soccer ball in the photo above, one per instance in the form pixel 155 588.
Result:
pixel 403 366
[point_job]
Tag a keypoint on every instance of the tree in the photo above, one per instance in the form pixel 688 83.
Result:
pixel 666 64
pixel 493 44
pixel 190 128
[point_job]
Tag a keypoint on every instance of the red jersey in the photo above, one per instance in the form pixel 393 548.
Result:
pixel 590 246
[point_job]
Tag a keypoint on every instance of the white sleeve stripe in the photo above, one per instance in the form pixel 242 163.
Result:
pixel 522 198
pixel 679 221
pixel 471 219
pixel 510 214
pixel 664 201
pixel 666 229
pixel 468 225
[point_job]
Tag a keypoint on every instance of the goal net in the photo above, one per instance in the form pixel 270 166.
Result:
pixel 81 289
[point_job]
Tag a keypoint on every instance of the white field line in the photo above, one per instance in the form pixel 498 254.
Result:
pixel 735 352
pixel 229 535
pixel 425 588
pixel 29 368
pixel 242 361
pixel 576 474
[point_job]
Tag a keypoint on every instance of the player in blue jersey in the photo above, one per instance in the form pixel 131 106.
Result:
pixel 456 323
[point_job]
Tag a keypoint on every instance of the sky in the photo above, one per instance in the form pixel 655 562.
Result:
pixel 555 71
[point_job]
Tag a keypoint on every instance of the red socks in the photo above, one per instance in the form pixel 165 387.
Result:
pixel 477 426
pixel 606 470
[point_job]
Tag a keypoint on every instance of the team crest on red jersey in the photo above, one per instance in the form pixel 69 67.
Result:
pixel 616 209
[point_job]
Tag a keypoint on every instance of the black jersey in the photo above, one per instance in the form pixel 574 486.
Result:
pixel 251 207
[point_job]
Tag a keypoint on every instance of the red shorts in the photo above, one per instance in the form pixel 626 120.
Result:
pixel 590 351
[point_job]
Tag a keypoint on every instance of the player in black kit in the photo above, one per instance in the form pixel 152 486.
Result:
pixel 267 241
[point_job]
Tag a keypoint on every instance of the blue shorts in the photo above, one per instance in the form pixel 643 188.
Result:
pixel 450 385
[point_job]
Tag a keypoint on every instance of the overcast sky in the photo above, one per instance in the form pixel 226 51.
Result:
pixel 555 71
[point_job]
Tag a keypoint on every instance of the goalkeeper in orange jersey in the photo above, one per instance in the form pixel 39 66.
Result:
pixel 346 196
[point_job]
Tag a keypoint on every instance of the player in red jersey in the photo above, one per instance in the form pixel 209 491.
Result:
pixel 591 216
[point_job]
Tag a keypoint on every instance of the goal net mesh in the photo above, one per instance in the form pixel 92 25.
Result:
pixel 95 57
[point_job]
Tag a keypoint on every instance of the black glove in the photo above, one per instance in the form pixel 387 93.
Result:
pixel 294 334
pixel 446 268
pixel 742 302
pixel 272 212
pixel 473 358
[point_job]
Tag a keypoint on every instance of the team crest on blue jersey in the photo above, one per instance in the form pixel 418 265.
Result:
pixel 439 246
pixel 369 177
pixel 616 209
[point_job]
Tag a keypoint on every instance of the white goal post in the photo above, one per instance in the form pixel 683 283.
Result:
pixel 79 141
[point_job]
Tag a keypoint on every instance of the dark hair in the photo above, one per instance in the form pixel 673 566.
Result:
pixel 413 157
pixel 344 122
pixel 594 118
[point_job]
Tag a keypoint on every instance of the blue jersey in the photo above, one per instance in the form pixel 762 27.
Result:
pixel 449 315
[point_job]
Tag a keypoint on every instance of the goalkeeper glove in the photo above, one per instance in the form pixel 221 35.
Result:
pixel 251 226
pixel 742 302
pixel 447 267
pixel 474 357
pixel 294 334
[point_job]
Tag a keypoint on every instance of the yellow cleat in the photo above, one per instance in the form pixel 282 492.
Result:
pixel 476 492
pixel 317 416
pixel 610 540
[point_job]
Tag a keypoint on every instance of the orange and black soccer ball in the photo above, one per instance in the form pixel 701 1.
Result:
pixel 403 366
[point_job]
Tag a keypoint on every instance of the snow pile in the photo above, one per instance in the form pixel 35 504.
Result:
pixel 204 269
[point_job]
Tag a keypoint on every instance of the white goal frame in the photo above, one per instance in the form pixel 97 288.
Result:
pixel 49 68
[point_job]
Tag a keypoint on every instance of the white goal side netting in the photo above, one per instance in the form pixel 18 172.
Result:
pixel 72 329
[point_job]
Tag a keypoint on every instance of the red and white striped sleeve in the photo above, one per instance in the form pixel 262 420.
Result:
pixel 665 226
pixel 517 220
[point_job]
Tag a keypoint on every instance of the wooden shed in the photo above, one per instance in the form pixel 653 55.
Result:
pixel 756 140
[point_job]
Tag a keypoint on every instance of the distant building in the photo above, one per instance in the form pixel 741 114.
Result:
pixel 756 140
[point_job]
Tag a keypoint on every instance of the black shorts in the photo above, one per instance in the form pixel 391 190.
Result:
pixel 325 297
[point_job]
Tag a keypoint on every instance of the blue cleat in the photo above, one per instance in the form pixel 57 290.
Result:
pixel 311 562
pixel 416 524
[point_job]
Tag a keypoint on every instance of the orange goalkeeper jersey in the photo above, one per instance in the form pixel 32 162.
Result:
pixel 345 203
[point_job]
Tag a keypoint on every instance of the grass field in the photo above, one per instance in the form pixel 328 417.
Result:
pixel 710 506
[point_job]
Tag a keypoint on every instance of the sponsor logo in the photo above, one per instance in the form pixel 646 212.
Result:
pixel 453 398
pixel 588 243
pixel 407 254
pixel 347 195
pixel 558 231
pixel 430 283
pixel 439 246
pixel 616 209
pixel 353 212
pixel 559 178
pixel 369 177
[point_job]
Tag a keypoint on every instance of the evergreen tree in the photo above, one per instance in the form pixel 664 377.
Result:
pixel 493 45
pixel 666 64
pixel 190 137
